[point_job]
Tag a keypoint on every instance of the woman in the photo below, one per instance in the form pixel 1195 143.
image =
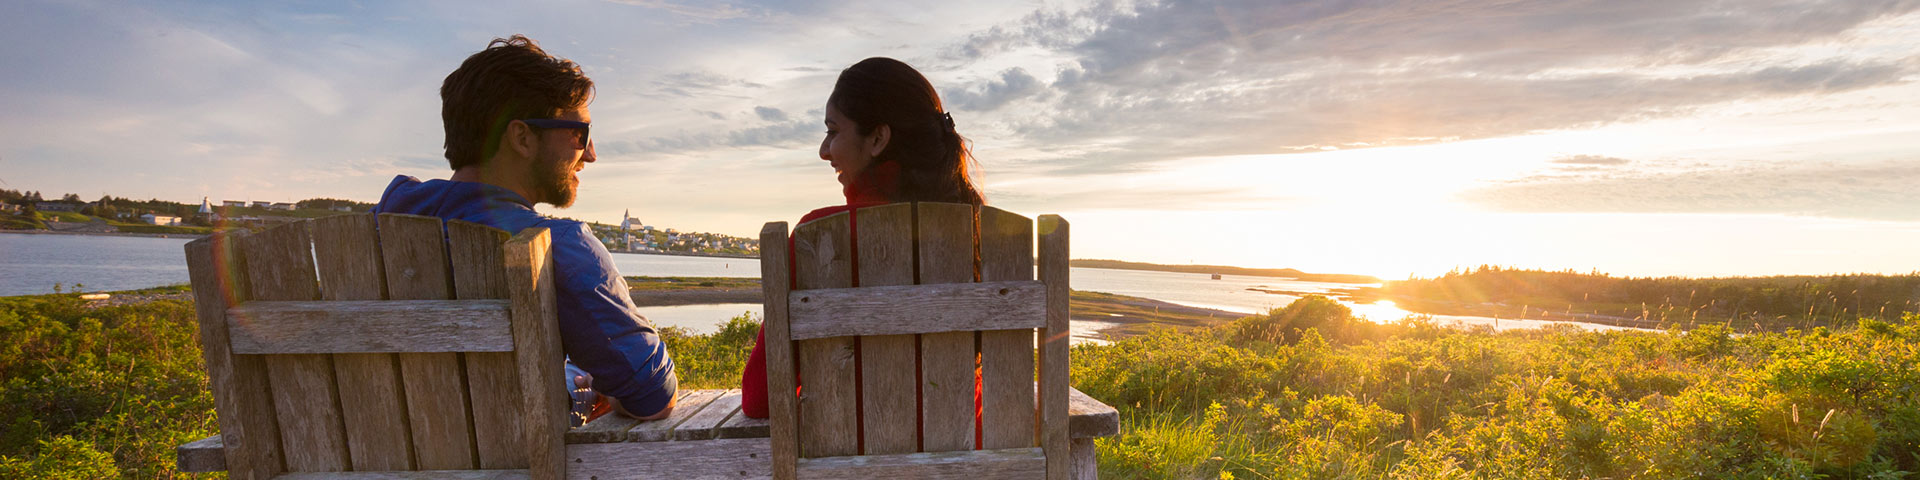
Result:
pixel 888 140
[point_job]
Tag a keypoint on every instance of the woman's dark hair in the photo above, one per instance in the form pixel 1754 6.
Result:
pixel 933 158
pixel 512 79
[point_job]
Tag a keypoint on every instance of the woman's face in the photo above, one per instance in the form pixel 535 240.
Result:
pixel 846 149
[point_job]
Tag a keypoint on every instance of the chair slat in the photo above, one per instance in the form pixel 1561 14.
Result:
pixel 911 309
pixel 346 250
pixel 782 414
pixel 705 424
pixel 306 404
pixel 478 255
pixel 414 251
pixel 537 357
pixel 887 390
pixel 379 326
pixel 1054 253
pixel 1008 417
pixel 691 402
pixel 947 360
pixel 241 395
pixel 829 426
pixel 961 465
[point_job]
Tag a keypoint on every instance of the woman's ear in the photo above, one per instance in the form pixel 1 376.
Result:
pixel 877 142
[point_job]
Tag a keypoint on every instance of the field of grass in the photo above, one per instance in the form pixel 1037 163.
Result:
pixel 1306 391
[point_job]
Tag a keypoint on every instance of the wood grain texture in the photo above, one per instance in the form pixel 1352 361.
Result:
pixel 782 406
pixel 829 425
pixel 960 465
pixel 414 252
pixel 478 256
pixel 346 250
pixel 1089 418
pixel 419 475
pixel 242 398
pixel 947 360
pixel 911 309
pixel 740 426
pixel 888 397
pixel 740 458
pixel 662 430
pixel 1054 253
pixel 1086 459
pixel 705 424
pixel 377 326
pixel 537 356
pixel 305 401
pixel 1009 416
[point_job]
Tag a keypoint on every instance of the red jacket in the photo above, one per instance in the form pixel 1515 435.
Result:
pixel 873 187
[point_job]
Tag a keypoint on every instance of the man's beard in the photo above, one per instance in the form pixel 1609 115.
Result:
pixel 554 179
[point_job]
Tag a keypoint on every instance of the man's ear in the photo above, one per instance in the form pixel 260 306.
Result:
pixel 520 138
pixel 877 142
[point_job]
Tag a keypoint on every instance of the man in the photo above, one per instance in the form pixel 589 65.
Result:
pixel 517 134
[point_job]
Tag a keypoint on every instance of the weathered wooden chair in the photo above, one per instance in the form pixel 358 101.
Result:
pixel 394 343
pixel 887 367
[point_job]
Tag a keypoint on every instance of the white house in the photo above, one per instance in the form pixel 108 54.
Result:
pixel 152 219
pixel 233 204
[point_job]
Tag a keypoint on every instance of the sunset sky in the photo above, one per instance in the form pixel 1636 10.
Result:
pixel 1393 137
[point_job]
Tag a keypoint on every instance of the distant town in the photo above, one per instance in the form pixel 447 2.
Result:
pixel 29 211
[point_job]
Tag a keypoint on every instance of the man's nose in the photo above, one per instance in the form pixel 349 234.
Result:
pixel 590 155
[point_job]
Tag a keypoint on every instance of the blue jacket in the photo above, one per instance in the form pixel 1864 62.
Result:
pixel 600 329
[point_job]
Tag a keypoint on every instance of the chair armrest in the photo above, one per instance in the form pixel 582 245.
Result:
pixel 1088 418
pixel 203 455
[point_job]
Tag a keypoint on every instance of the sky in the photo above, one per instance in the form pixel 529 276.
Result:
pixel 1389 137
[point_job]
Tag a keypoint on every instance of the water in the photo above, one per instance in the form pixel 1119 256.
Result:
pixel 32 264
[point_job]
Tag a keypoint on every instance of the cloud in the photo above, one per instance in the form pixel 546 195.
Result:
pixel 791 134
pixel 1260 76
pixel 1879 191
pixel 770 114
pixel 1013 84
pixel 1590 160
pixel 710 11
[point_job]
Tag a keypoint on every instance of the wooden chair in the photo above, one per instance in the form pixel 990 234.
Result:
pixel 352 345
pixel 888 365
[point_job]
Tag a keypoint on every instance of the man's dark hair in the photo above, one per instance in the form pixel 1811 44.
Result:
pixel 512 79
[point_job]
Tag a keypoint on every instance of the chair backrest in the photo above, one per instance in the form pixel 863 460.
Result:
pixel 382 343
pixel 887 363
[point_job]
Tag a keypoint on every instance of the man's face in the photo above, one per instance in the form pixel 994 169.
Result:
pixel 557 163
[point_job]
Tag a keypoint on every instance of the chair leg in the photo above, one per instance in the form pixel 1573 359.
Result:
pixel 1086 463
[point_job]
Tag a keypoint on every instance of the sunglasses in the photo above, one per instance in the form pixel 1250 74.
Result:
pixel 583 127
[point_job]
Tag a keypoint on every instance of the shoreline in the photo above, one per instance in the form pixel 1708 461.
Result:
pixel 187 236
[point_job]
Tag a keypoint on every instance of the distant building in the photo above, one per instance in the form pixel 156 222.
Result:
pixel 262 204
pixel 233 204
pixel 56 207
pixel 152 219
pixel 342 208
pixel 206 208
pixel 281 206
pixel 9 208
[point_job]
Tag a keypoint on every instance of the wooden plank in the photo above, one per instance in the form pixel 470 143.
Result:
pixel 478 256
pixel 1008 415
pixel 306 404
pixel 537 357
pixel 414 251
pixel 741 426
pixel 1086 459
pixel 377 326
pixel 663 429
pixel 958 465
pixel 200 456
pixel 1054 253
pixel 738 458
pixel 241 396
pixel 420 475
pixel 608 428
pixel 705 424
pixel 1089 418
pixel 888 397
pixel 911 309
pixel 947 360
pixel 829 425
pixel 782 406
pixel 346 250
